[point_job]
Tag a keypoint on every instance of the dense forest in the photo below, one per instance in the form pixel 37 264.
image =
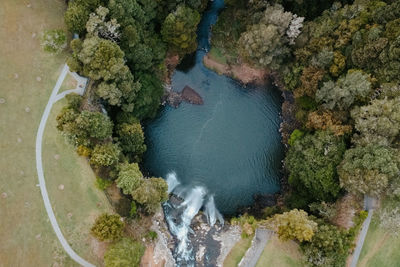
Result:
pixel 340 63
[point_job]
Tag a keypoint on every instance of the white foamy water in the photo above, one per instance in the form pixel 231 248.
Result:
pixel 193 200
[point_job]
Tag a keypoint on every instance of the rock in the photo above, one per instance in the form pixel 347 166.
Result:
pixel 27 109
pixel 61 187
pixel 69 215
pixel 190 95
pixel 33 35
pixel 38 237
pixel 173 99
pixel 56 156
pixel 2 101
pixel 16 75
pixel 200 254
pixel 19 140
pixel 4 195
pixel 38 78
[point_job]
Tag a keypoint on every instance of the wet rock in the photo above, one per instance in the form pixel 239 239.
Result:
pixel 191 96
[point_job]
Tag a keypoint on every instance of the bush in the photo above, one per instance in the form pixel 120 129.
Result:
pixel 103 184
pixel 54 41
pixel 105 155
pixel 151 235
pixel 108 227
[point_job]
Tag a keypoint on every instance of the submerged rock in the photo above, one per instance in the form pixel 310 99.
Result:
pixel 190 95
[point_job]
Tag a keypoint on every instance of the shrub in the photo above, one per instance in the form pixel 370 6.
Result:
pixel 103 184
pixel 108 227
pixel 54 41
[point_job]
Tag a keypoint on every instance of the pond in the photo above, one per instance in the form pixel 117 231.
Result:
pixel 221 153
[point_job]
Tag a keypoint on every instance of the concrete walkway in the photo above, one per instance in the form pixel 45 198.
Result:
pixel 369 205
pixel 53 98
pixel 258 243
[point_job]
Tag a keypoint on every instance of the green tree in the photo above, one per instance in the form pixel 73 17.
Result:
pixel 151 193
pixel 129 177
pixel 266 43
pixel 131 138
pixel 179 29
pixel 378 122
pixel 94 125
pixel 108 227
pixel 342 94
pixel 105 154
pixel 76 17
pixel 369 169
pixel 294 224
pixel 124 253
pixel 312 161
pixel 149 97
pixel 328 247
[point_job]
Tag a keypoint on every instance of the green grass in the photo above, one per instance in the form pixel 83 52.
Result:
pixel 216 54
pixel 237 252
pixel 80 202
pixel 381 248
pixel 68 84
pixel 27 77
pixel 282 254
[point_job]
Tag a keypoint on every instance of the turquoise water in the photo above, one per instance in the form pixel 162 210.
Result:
pixel 230 146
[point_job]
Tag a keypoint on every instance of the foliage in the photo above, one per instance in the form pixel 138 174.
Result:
pixel 369 169
pixel 248 224
pixel 296 134
pixel 326 120
pixel 326 210
pixel 266 43
pixel 103 184
pixel 151 193
pixel 179 29
pixel 294 224
pixel 76 17
pixel 125 253
pixel 54 41
pixel 312 162
pixel 342 94
pixel 108 227
pixel 310 78
pixel 148 99
pixel 131 139
pixel 129 177
pixel 151 235
pixel 105 155
pixel 83 151
pixel 133 211
pixel 328 247
pixel 378 122
pixel 97 26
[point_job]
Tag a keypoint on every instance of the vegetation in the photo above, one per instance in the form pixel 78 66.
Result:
pixel 294 224
pixel 341 64
pixel 54 41
pixel 124 253
pixel 108 227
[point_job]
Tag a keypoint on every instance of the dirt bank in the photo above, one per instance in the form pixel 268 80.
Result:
pixel 243 72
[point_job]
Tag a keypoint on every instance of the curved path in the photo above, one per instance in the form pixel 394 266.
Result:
pixel 258 243
pixel 53 98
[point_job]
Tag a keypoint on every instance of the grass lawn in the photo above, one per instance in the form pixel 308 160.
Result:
pixel 70 183
pixel 237 252
pixel 27 77
pixel 380 248
pixel 282 254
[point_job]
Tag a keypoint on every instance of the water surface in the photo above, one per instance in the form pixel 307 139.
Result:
pixel 230 145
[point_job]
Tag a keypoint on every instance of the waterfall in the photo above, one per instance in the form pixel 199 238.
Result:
pixel 180 216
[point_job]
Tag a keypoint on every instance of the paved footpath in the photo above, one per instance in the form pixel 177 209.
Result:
pixel 258 243
pixel 53 98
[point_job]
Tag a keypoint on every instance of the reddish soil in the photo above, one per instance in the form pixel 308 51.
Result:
pixel 171 61
pixel 243 72
pixel 148 258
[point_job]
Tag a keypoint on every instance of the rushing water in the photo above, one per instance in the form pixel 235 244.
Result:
pixel 218 155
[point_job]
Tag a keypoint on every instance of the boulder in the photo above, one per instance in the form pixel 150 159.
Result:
pixel 190 95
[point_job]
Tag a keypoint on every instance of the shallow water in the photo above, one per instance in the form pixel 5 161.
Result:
pixel 231 145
